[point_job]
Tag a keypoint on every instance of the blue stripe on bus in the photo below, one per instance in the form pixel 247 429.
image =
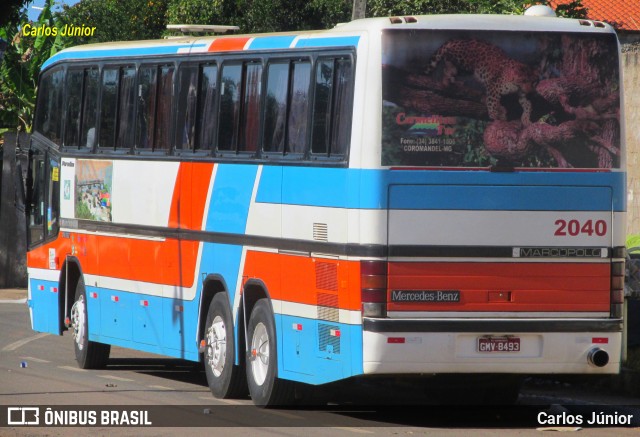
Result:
pixel 272 42
pixel 500 198
pixel 270 185
pixel 228 212
pixel 336 41
pixel 118 52
pixel 230 199
pixel 367 189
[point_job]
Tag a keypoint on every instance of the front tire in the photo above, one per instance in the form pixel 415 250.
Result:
pixel 225 379
pixel 89 354
pixel 265 387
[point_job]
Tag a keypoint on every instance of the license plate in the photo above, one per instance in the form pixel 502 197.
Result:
pixel 499 344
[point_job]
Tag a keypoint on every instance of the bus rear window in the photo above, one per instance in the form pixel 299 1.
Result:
pixel 518 99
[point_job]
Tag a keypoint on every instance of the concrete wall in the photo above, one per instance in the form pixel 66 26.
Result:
pixel 631 87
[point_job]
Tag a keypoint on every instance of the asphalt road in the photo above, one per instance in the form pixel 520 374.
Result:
pixel 39 370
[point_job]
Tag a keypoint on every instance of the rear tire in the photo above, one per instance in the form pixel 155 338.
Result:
pixel 266 389
pixel 225 379
pixel 89 354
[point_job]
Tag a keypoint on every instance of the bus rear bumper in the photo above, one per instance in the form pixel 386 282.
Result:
pixel 480 346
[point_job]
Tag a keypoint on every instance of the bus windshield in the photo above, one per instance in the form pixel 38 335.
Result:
pixel 494 98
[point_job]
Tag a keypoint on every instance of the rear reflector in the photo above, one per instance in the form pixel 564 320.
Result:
pixel 617 289
pixel 617 282
pixel 373 288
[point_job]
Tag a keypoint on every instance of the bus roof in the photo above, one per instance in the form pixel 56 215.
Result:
pixel 346 34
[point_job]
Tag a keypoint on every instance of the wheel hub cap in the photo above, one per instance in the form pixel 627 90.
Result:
pixel 77 322
pixel 217 346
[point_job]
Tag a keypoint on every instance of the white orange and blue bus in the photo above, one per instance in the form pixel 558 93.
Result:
pixel 395 196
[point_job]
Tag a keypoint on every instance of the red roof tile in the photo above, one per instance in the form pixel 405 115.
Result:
pixel 622 14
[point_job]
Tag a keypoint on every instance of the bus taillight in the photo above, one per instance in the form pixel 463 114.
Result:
pixel 617 288
pixel 373 286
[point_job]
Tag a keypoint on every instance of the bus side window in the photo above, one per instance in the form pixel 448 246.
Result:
pixel 298 107
pixel 229 107
pixel 207 107
pixel 332 107
pixel 163 110
pixel 73 107
pixel 146 119
pixel 89 108
pixel 108 107
pixel 250 130
pixel 287 107
pixel 125 108
pixel 186 107
pixel 341 116
pixel 49 116
pixel 322 107
pixel 35 194
pixel 276 107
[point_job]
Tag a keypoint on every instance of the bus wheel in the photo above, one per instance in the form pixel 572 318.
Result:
pixel 225 379
pixel 265 387
pixel 89 354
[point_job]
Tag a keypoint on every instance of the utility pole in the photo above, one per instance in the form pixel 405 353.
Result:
pixel 359 9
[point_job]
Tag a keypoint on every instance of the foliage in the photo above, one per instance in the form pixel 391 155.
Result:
pixel 574 9
pixel 286 15
pixel 383 8
pixel 19 70
pixel 633 242
pixel 12 11
pixel 116 20
pixel 197 11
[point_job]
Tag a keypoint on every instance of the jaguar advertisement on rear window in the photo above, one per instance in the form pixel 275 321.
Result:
pixel 515 99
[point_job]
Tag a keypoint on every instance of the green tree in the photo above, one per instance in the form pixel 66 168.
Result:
pixel 198 11
pixel 12 11
pixel 117 20
pixel 383 8
pixel 289 15
pixel 19 71
pixel 574 9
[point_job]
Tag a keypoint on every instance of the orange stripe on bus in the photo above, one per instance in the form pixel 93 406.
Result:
pixel 190 195
pixel 228 44
pixel 303 279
